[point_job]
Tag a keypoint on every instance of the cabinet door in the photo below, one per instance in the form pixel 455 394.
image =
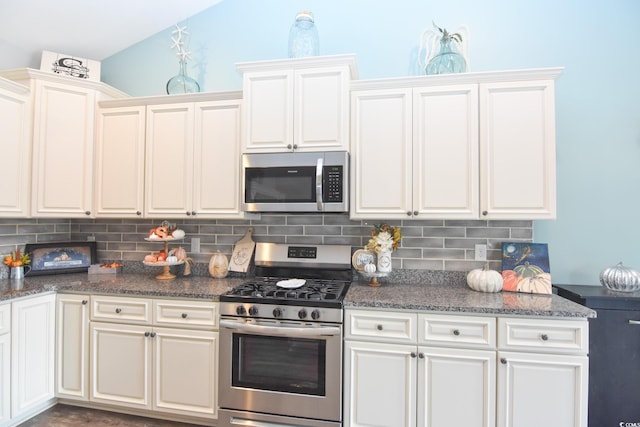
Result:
pixel 63 150
pixel 15 145
pixel 445 152
pixel 72 350
pixel 121 365
pixel 186 372
pixel 32 352
pixel 542 390
pixel 456 387
pixel 381 154
pixel 268 111
pixel 216 160
pixel 5 378
pixel 380 385
pixel 321 109
pixel 119 174
pixel 169 161
pixel 517 150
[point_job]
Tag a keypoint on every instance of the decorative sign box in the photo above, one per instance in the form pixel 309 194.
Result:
pixel 69 65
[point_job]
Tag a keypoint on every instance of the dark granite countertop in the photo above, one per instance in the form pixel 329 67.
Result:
pixel 458 298
pixel 453 297
pixel 191 287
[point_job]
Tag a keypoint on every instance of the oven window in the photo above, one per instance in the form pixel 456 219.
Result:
pixel 277 185
pixel 291 365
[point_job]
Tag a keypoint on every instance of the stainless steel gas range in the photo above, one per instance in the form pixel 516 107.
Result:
pixel 281 339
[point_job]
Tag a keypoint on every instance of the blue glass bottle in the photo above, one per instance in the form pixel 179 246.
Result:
pixel 182 83
pixel 447 60
pixel 303 36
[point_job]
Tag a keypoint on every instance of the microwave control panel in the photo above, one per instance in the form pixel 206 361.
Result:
pixel 332 185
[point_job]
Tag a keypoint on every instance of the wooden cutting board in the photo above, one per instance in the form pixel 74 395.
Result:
pixel 242 253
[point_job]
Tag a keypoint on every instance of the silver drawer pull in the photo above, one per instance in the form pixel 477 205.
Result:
pixel 118 310
pixel 456 332
pixel 544 337
pixel 634 322
pixel 379 327
pixel 184 315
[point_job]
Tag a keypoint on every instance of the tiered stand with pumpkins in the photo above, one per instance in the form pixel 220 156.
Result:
pixel 165 258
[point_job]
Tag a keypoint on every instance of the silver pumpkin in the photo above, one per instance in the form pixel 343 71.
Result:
pixel 620 278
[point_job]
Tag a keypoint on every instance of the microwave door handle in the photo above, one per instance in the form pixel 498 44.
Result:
pixel 319 169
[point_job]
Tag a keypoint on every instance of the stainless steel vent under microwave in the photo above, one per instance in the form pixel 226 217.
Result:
pixel 296 182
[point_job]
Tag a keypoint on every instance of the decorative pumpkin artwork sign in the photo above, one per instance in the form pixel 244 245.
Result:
pixel 525 267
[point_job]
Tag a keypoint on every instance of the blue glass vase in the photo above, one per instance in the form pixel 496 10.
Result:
pixel 181 82
pixel 447 60
pixel 303 36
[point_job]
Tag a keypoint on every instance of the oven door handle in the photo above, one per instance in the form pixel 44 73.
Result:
pixel 282 330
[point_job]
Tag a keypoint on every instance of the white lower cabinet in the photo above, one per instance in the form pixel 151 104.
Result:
pixel 72 347
pixel 5 362
pixel 416 384
pixel 542 373
pixel 421 369
pixel 32 354
pixel 137 364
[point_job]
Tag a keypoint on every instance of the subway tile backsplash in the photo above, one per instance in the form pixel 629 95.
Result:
pixel 440 245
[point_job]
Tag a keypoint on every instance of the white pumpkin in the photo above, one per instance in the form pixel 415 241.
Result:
pixel 484 280
pixel 370 268
pixel 218 265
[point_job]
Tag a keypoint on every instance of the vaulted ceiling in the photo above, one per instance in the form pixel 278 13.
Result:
pixel 94 29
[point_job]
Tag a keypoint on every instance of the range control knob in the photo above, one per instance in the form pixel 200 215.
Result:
pixel 253 310
pixel 277 312
pixel 315 314
pixel 302 313
pixel 240 310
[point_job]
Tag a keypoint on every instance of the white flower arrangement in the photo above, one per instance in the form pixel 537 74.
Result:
pixel 384 238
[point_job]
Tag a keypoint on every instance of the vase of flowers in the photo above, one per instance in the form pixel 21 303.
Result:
pixel 384 240
pixel 17 262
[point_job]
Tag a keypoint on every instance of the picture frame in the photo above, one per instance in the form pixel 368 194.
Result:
pixel 525 267
pixel 70 65
pixel 61 257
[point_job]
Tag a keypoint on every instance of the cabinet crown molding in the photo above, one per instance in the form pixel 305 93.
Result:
pixel 459 78
pixel 23 75
pixel 299 63
pixel 171 99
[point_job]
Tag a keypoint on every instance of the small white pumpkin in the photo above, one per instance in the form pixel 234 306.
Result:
pixel 484 280
pixel 370 268
pixel 172 259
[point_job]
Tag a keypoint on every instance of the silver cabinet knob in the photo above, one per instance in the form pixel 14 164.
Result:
pixel 456 332
pixel 544 337
pixel 146 334
pixel 413 354
pixel 379 327
pixel 153 334
pixel 289 146
pixel 295 146
pixel 421 355
pixel 118 310
pixel 415 213
pixel 138 213
pixel 184 315
pixel 503 360
pixel 193 213
pixel 85 302
pixel 87 213
pixel 485 213
pixel 408 213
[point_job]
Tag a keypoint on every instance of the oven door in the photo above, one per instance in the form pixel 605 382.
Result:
pixel 281 368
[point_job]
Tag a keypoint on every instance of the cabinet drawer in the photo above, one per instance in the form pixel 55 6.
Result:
pixel 381 326
pixel 458 331
pixel 121 309
pixel 5 318
pixel 185 313
pixel 540 335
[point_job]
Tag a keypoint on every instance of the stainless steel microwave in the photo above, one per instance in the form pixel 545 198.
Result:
pixel 296 182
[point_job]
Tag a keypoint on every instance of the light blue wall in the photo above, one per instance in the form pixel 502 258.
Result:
pixel 597 112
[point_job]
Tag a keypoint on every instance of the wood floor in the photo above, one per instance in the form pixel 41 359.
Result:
pixel 72 416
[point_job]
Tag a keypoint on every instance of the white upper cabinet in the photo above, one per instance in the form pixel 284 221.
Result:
pixel 297 104
pixel 119 162
pixel 414 152
pixel 517 150
pixel 63 141
pixel 193 158
pixel 15 144
pixel 458 146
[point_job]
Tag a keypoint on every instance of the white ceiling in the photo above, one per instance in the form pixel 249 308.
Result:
pixel 94 29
